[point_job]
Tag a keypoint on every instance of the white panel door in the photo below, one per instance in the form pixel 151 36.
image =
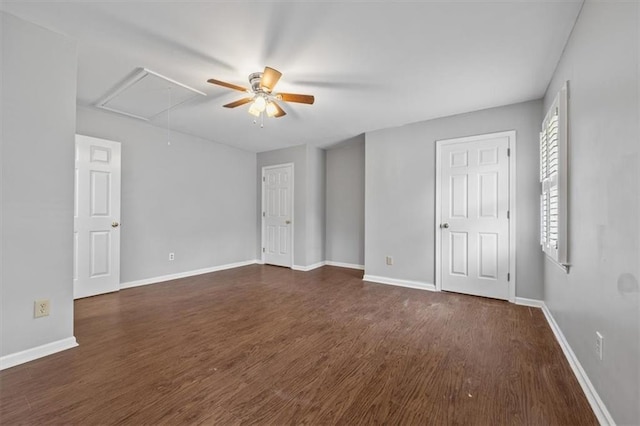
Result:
pixel 277 215
pixel 96 247
pixel 474 204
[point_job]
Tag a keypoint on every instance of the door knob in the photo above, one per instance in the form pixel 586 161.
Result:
pixel 114 224
pixel 287 222
pixel 444 225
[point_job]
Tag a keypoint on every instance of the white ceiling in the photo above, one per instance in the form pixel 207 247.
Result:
pixel 370 65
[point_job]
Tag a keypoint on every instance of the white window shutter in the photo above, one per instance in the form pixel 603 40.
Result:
pixel 553 180
pixel 543 153
pixel 544 219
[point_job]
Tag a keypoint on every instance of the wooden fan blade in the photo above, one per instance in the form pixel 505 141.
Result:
pixel 238 103
pixel 294 97
pixel 269 79
pixel 280 112
pixel 227 85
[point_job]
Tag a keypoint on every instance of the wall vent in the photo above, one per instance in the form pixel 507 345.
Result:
pixel 145 94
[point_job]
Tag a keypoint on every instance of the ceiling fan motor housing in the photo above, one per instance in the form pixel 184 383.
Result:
pixel 254 80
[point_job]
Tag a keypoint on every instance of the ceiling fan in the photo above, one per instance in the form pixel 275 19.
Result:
pixel 262 97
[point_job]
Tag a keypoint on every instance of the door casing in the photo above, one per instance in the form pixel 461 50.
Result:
pixel 511 135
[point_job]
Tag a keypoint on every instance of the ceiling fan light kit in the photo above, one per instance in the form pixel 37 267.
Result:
pixel 263 100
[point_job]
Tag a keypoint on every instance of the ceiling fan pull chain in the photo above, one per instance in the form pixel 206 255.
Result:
pixel 262 120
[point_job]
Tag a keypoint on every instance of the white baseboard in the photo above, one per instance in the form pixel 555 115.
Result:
pixel 534 303
pixel 186 274
pixel 21 357
pixel 344 265
pixel 401 283
pixel 308 268
pixel 600 410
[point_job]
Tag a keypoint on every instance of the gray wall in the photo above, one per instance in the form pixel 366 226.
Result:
pixel 38 126
pixel 601 291
pixel 345 202
pixel 316 195
pixel 298 156
pixel 195 198
pixel 400 193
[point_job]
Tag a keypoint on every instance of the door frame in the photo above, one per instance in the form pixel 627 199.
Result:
pixel 511 135
pixel 262 209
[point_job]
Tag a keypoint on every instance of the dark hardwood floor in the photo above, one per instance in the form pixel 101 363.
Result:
pixel 267 345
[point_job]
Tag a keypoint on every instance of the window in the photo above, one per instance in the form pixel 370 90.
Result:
pixel 553 180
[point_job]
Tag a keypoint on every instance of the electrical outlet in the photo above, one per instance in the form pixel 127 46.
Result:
pixel 41 308
pixel 389 260
pixel 599 345
pixel 172 256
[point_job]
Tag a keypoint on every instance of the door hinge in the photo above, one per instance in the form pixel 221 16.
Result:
pixel 263 250
pixel 263 214
pixel 264 179
pixel 508 152
pixel 508 214
pixel 508 276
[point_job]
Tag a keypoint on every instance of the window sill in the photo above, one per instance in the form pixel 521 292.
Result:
pixel 564 266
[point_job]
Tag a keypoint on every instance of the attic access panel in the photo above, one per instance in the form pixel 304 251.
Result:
pixel 144 94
